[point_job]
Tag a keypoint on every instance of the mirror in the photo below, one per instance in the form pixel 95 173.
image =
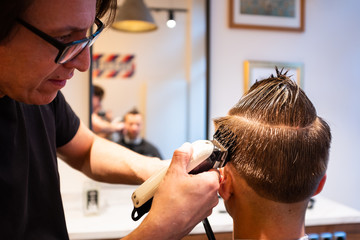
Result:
pixel 161 73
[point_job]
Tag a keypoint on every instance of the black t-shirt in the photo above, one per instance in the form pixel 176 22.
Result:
pixel 30 200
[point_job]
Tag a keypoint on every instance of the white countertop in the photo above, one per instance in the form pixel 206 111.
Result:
pixel 114 218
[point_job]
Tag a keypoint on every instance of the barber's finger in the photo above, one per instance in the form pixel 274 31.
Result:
pixel 181 157
pixel 218 173
pixel 210 185
pixel 212 175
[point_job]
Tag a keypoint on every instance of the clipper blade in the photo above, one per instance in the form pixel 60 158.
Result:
pixel 224 139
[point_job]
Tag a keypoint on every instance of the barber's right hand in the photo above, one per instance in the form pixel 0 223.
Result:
pixel 182 200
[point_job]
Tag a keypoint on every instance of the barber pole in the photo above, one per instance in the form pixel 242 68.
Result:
pixel 113 66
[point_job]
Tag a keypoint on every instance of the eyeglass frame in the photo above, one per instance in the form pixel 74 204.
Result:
pixel 62 47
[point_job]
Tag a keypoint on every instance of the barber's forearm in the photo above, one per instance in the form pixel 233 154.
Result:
pixel 106 161
pixel 154 229
pixel 110 162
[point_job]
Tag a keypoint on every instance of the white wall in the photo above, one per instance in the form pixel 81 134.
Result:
pixel 330 51
pixel 76 92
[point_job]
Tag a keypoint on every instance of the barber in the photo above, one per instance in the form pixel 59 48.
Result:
pixel 42 42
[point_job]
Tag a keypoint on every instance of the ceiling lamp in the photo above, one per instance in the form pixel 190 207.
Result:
pixel 171 23
pixel 134 16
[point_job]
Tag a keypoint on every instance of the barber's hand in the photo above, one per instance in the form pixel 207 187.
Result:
pixel 182 200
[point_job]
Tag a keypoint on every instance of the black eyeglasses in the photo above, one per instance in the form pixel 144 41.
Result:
pixel 67 51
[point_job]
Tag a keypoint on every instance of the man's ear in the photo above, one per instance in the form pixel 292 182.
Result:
pixel 226 185
pixel 321 185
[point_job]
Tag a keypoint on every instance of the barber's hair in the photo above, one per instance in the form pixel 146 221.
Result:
pixel 133 111
pixel 282 146
pixel 98 91
pixel 10 10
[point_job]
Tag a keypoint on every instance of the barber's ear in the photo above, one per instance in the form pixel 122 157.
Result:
pixel 321 185
pixel 226 185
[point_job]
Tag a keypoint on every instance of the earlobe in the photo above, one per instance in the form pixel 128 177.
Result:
pixel 225 189
pixel 221 171
pixel 321 185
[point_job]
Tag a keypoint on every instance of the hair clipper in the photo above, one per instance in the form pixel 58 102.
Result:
pixel 206 155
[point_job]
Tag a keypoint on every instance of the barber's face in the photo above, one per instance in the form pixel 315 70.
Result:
pixel 28 72
pixel 133 124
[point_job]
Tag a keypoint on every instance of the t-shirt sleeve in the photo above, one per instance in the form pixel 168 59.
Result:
pixel 67 122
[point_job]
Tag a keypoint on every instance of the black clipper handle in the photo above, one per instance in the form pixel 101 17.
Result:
pixel 137 213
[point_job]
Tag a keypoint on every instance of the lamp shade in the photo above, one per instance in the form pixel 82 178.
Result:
pixel 134 16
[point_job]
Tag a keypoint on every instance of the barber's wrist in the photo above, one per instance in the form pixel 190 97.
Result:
pixel 152 228
pixel 153 166
pixel 158 228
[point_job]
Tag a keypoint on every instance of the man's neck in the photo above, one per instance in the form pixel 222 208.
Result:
pixel 305 237
pixel 282 222
pixel 135 141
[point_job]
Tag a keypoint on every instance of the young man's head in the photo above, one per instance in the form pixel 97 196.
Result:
pixel 282 147
pixel 132 124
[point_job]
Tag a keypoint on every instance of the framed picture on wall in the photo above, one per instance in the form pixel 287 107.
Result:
pixel 257 70
pixel 287 15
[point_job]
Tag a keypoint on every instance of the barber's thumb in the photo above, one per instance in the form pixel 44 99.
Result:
pixel 181 156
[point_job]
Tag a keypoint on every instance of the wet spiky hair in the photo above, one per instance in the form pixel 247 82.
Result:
pixel 281 147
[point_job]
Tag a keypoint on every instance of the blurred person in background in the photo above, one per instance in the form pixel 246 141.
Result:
pixel 131 138
pixel 102 121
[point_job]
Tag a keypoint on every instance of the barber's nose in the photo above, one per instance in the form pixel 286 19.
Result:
pixel 81 62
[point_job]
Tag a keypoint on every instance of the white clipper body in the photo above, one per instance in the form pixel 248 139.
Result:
pixel 202 149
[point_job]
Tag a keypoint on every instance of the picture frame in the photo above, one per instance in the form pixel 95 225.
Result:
pixel 283 15
pixel 258 70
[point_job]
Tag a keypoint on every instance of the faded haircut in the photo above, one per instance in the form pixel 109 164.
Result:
pixel 281 147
